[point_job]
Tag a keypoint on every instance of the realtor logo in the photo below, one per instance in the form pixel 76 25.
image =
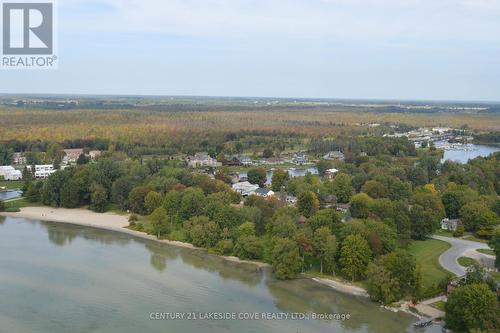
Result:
pixel 28 35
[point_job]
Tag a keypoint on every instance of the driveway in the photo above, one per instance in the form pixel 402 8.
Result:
pixel 463 248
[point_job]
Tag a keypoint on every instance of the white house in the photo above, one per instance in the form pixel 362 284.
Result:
pixel 245 188
pixel 200 160
pixel 449 224
pixel 330 173
pixel 44 171
pixel 264 192
pixel 334 156
pixel 9 173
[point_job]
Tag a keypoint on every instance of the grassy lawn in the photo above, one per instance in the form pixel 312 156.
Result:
pixel 439 305
pixel 465 261
pixel 445 233
pixel 495 275
pixel 427 254
pixel 21 203
pixel 11 185
pixel 475 239
pixel 486 251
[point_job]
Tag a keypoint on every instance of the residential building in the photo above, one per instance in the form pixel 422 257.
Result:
pixel 449 224
pixel 201 160
pixel 44 171
pixel 264 192
pixel 9 173
pixel 245 188
pixel 291 200
pixel 245 160
pixel 272 161
pixel 95 154
pixel 231 161
pixel 19 159
pixel 334 156
pixel 300 158
pixel 331 173
pixel 71 155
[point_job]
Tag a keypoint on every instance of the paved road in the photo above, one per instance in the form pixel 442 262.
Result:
pixel 462 248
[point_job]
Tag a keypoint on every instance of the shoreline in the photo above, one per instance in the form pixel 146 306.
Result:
pixel 118 223
pixel 105 221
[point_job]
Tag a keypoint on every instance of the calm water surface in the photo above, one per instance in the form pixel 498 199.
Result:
pixel 6 195
pixel 63 278
pixel 463 156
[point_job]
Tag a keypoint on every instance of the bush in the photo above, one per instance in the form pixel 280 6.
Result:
pixel 460 230
pixel 12 210
pixel 224 247
pixel 2 206
pixel 133 219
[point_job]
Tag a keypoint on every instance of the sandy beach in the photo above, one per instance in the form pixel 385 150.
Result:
pixel 343 287
pixel 116 222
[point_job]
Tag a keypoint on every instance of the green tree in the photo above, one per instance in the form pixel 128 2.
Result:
pixel 322 166
pixel 423 222
pixel 477 215
pixel 286 259
pixel 360 205
pixel 202 232
pixel 324 218
pixel 355 256
pixel 307 203
pixel 159 222
pixel 472 306
pixel 136 199
pixel 331 249
pixel 494 243
pixel 280 177
pixel 381 285
pixel 98 198
pixel 374 189
pixel 342 187
pixel 249 247
pixel 55 154
pixel 152 201
pixel 192 203
pixel 69 195
pixel 321 239
pixel 257 176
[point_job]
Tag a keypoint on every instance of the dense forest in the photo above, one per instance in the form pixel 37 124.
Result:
pixel 358 225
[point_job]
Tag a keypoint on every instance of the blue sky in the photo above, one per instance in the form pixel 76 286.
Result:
pixel 382 49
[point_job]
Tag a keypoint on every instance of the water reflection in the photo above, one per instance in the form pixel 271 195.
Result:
pixel 63 235
pixel 117 278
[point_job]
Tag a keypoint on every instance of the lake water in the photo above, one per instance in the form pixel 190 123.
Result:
pixel 6 195
pixel 62 278
pixel 473 151
pixel 293 173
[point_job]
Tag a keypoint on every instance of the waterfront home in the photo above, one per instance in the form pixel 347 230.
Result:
pixel 291 200
pixel 331 173
pixel 245 188
pixel 231 161
pixel 18 159
pixel 343 208
pixel 201 160
pixel 449 224
pixel 300 158
pixel 245 160
pixel 9 173
pixel 95 154
pixel 272 161
pixel 264 192
pixel 71 155
pixel 334 156
pixel 44 171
